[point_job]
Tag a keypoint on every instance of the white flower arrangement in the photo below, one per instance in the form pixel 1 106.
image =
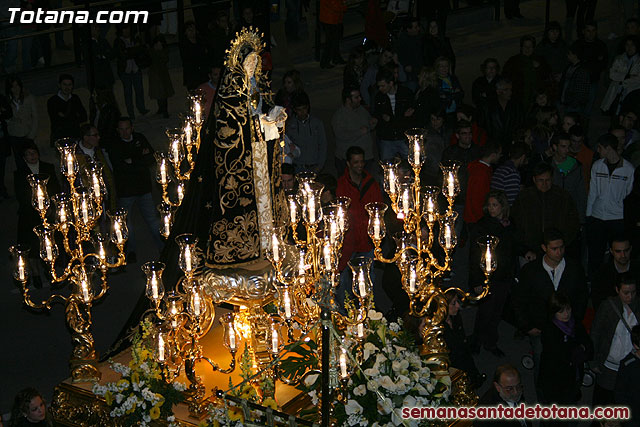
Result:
pixel 390 375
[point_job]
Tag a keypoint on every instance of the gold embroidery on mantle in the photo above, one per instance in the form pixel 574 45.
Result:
pixel 237 239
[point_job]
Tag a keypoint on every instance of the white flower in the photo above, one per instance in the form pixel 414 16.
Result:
pixel 385 407
pixel 372 372
pixel 380 358
pixel 387 383
pixel 179 386
pixel 310 380
pixel 352 407
pixel 361 390
pixel 374 315
pixel 400 365
pixel 394 327
pixel 314 397
pixel 409 401
pixel 369 349
pixel 372 385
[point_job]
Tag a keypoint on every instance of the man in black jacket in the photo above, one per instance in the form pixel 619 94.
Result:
pixel 393 107
pixel 620 262
pixel 502 116
pixel 66 111
pixel 626 391
pixel 593 53
pixel 506 391
pixel 538 280
pixel 131 155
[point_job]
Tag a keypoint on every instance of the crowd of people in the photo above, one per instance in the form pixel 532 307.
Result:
pixel 566 209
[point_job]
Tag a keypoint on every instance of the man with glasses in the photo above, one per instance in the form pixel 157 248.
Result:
pixel 89 151
pixel 507 391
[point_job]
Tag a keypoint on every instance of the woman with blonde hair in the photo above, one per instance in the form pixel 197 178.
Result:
pixel 427 96
pixel 495 222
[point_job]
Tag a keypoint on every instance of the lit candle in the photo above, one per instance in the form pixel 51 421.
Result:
pixel 405 203
pixel 326 251
pixel 40 197
pixel 312 210
pixel 293 211
pixel 447 236
pixel 21 271
pixel 360 330
pixel 85 212
pixel 167 224
pixel 416 153
pixel 341 213
pixel 174 315
pixel 160 348
pixel 176 150
pixel 196 304
pixel 275 246
pixel 333 232
pixel 187 133
pixel 392 182
pixel 376 228
pixel 48 249
pixel 232 338
pixel 488 258
pixel 450 185
pixel 343 363
pixel 101 253
pixel 430 210
pixel 116 228
pixel 85 290
pixel 198 112
pixel 412 281
pixel 70 164
pixel 163 172
pixel 180 189
pixel 96 186
pixel 362 285
pixel 187 259
pixel 63 214
pixel 274 340
pixel 154 286
pixel 287 305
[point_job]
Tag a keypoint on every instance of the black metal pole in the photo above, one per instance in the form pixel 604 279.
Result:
pixel 325 315
pixel 547 13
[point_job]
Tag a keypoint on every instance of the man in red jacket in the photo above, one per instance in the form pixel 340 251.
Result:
pixel 357 184
pixel 479 183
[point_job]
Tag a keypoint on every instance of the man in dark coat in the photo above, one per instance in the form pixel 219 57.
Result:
pixel 541 207
pixel 501 117
pixel 66 111
pixel 538 280
pixel 507 391
pixel 628 381
pixel 620 262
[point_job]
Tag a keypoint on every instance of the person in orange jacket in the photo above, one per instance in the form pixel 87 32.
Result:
pixel 331 16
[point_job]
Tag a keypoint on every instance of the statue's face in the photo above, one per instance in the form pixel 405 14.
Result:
pixel 250 63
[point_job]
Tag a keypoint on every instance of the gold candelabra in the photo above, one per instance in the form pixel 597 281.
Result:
pixel 186 314
pixel 177 164
pixel 74 217
pixel 421 266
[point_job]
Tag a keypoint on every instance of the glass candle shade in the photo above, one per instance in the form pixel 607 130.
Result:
pixel 430 204
pixel 85 206
pixel 405 202
pixel 488 261
pixel 230 337
pixel 68 163
pixel 417 154
pixel 166 219
pixel 360 267
pixel 64 213
pixel 376 228
pixel 450 182
pixel 20 256
pixel 311 203
pixel 390 175
pixel 94 180
pixel 188 255
pixel 276 250
pixel 119 231
pixel 39 198
pixel 48 247
pixel 447 237
pixel 162 168
pixel 153 271
pixel 176 148
pixel 343 203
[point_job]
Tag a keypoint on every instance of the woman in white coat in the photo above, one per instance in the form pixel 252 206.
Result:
pixel 624 75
